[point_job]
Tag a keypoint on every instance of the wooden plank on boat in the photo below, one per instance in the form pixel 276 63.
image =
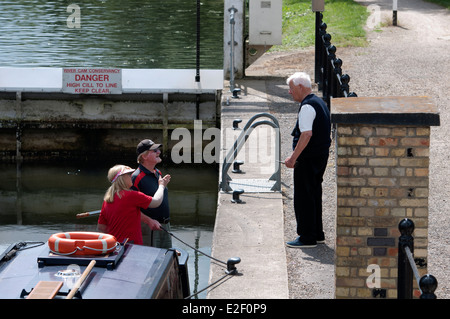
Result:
pixel 81 279
pixel 45 290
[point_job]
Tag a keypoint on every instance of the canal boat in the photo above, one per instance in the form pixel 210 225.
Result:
pixel 32 270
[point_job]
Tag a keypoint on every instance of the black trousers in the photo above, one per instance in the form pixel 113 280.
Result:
pixel 308 177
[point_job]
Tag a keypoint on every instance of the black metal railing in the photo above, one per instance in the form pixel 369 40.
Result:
pixel 407 268
pixel 328 68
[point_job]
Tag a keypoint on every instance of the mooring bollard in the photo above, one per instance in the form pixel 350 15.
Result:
pixel 236 123
pixel 236 194
pixel 236 167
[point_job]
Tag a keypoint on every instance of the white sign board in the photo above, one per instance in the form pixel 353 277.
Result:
pixel 265 23
pixel 92 81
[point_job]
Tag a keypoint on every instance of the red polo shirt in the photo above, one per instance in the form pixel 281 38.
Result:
pixel 123 216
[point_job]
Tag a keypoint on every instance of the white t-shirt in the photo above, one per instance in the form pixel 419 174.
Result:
pixel 306 118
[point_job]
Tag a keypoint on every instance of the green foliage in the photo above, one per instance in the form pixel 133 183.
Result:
pixel 345 20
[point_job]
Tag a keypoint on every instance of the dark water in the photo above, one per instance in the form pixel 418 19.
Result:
pixel 39 200
pixel 111 33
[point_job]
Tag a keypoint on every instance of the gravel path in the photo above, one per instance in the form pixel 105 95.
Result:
pixel 410 59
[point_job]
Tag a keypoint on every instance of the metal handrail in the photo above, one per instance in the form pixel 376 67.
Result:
pixel 413 265
pixel 240 141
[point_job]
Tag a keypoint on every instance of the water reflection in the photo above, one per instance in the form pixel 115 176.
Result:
pixel 112 33
pixel 37 200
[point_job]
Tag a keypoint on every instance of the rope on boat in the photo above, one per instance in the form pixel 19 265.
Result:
pixel 210 285
pixel 171 234
pixel 11 251
pixel 231 270
pixel 34 243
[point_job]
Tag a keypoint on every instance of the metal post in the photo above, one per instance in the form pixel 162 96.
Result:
pixel 325 41
pixel 232 11
pixel 337 63
pixel 405 272
pixel 394 12
pixel 318 44
pixel 197 74
pixel 326 38
pixel 345 88
pixel 328 89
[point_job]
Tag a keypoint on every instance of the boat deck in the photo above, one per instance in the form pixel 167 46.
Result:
pixel 131 272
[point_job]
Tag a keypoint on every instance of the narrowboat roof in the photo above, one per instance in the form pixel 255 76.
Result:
pixel 130 272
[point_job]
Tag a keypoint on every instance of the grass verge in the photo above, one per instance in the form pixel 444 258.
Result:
pixel 345 21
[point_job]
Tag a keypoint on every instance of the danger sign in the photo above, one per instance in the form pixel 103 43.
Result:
pixel 92 81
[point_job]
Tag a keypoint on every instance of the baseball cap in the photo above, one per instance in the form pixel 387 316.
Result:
pixel 146 145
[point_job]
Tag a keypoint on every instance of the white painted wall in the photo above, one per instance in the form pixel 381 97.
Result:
pixel 133 80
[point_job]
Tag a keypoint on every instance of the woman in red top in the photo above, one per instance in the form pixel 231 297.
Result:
pixel 121 215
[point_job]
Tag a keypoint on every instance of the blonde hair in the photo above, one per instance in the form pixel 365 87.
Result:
pixel 117 183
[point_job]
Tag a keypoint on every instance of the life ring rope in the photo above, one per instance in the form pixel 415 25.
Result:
pixel 86 247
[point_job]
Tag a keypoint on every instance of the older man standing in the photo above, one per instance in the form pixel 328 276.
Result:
pixel 311 144
pixel 145 179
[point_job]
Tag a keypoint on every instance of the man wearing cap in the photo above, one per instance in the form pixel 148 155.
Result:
pixel 145 179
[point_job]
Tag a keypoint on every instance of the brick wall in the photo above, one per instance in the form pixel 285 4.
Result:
pixel 382 178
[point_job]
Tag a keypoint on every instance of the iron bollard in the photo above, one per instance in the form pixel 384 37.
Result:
pixel 231 268
pixel 236 194
pixel 236 91
pixel 236 167
pixel 236 123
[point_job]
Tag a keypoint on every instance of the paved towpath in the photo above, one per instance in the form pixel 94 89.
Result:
pixel 410 60
pixel 251 230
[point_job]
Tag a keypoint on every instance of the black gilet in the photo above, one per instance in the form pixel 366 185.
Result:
pixel 320 141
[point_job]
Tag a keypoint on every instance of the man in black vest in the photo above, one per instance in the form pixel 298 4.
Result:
pixel 145 179
pixel 311 144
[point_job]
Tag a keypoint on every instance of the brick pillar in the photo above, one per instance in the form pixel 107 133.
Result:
pixel 382 160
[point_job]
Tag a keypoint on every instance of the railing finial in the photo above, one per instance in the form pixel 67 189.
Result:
pixel 406 227
pixel 428 285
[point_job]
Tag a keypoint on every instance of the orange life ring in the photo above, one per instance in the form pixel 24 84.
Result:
pixel 82 243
